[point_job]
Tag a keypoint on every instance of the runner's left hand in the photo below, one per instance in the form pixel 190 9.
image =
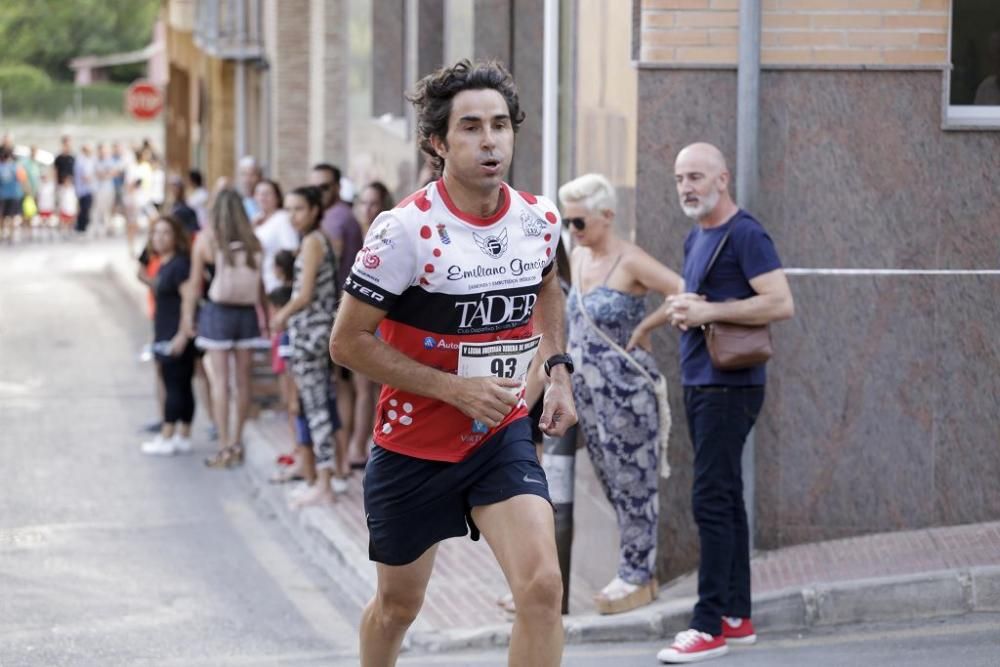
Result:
pixel 558 409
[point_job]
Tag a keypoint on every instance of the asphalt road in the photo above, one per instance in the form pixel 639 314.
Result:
pixel 109 557
pixel 967 641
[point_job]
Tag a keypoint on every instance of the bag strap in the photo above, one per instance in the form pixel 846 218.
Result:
pixel 659 386
pixel 715 256
pixel 334 265
pixel 607 339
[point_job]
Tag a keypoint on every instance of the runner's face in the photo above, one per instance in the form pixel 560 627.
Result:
pixel 302 215
pixel 480 140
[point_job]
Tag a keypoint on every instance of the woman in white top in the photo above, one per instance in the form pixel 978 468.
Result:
pixel 274 230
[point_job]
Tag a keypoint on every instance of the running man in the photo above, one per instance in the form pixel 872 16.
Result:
pixel 459 281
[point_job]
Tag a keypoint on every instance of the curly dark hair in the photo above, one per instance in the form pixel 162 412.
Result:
pixel 432 97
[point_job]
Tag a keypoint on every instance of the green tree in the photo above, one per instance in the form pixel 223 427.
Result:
pixel 49 33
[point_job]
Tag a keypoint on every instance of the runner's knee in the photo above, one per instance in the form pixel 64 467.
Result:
pixel 540 595
pixel 398 609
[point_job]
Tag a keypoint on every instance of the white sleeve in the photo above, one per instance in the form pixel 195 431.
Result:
pixel 386 266
pixel 288 237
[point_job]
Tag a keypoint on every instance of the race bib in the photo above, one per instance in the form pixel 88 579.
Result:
pixel 502 358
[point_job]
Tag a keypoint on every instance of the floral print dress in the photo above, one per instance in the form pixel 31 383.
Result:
pixel 617 410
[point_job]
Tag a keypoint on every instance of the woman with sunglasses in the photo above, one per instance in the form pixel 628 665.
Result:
pixel 614 385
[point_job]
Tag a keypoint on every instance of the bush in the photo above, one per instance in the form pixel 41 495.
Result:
pixel 60 99
pixel 17 80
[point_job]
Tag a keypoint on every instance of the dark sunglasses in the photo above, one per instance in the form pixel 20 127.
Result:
pixel 578 223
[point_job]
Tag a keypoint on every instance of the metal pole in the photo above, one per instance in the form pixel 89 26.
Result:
pixel 241 84
pixel 559 462
pixel 241 112
pixel 550 100
pixel 747 176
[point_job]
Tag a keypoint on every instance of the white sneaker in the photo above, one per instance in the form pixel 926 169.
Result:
pixel 338 485
pixel 158 446
pixel 182 445
pixel 298 490
pixel 693 646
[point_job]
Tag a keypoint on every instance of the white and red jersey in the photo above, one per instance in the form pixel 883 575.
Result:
pixel 445 277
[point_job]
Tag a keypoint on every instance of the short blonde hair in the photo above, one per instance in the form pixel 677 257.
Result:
pixel 591 190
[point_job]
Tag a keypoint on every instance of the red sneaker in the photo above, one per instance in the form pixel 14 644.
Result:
pixel 738 630
pixel 693 646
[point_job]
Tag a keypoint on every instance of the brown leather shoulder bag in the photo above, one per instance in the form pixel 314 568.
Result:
pixel 733 347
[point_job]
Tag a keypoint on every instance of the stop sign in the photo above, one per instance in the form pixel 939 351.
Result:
pixel 143 100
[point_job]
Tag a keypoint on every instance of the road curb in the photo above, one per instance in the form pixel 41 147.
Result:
pixel 898 598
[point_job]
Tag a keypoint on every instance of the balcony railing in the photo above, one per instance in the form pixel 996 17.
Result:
pixel 229 29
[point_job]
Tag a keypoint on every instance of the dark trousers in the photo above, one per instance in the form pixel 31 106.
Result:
pixel 719 419
pixel 83 217
pixel 178 373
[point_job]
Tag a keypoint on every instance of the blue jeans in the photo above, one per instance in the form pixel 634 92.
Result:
pixel 719 419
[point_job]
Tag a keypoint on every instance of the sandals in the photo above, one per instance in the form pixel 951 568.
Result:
pixel 227 457
pixel 620 596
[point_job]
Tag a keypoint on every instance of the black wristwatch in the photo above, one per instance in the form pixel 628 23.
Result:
pixel 557 359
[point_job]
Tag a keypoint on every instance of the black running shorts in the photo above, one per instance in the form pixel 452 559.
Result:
pixel 412 504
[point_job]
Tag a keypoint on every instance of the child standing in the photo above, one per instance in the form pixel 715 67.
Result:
pixel 69 206
pixel 47 202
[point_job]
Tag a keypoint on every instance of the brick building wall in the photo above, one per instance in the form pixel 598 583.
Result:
pixel 287 45
pixel 328 82
pixel 799 32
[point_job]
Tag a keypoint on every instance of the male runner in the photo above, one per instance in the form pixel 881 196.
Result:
pixel 457 279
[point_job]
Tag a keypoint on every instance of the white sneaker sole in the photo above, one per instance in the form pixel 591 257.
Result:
pixel 670 656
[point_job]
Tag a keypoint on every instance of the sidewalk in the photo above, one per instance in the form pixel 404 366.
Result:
pixel 893 576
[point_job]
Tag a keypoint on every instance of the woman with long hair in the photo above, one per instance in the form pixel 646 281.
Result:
pixel 309 316
pixel 227 328
pixel 172 346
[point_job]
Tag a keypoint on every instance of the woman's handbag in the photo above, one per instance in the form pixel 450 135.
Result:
pixel 733 347
pixel 659 386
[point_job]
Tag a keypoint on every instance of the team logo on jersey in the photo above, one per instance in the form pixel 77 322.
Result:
pixel 369 259
pixel 443 234
pixel 496 310
pixel 531 226
pixel 492 246
pixel 382 236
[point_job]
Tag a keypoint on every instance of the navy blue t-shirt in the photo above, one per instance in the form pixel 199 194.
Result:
pixel 748 253
pixel 169 279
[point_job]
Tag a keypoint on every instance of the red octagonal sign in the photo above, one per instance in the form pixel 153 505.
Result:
pixel 143 100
